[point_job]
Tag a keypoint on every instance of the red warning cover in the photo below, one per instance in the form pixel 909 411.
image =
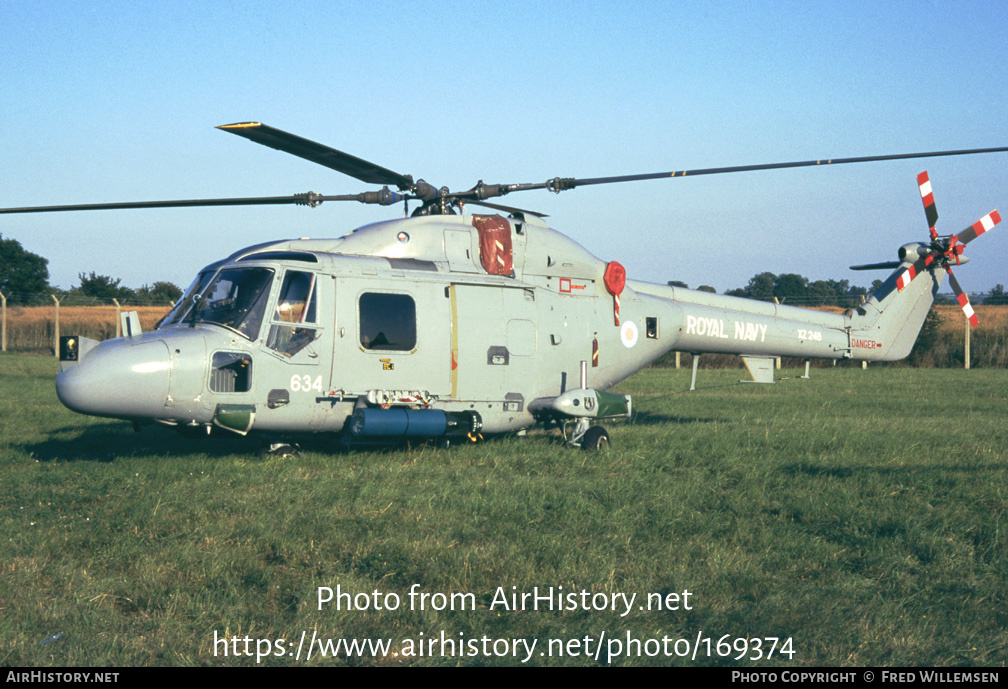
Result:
pixel 614 278
pixel 495 244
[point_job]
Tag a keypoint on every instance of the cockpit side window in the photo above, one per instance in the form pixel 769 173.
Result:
pixel 296 309
pixel 296 303
pixel 237 300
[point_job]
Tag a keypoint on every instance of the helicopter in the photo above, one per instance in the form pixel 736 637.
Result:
pixel 446 325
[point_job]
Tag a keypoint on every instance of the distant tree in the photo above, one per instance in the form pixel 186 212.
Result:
pixel 790 286
pixel 706 288
pixel 997 296
pixel 678 283
pixel 841 287
pixel 23 275
pixel 761 286
pixel 101 288
pixel 844 294
pixel 796 289
pixel 854 296
pixel 822 292
pixel 159 293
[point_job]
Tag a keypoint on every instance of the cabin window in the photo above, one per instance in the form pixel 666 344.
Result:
pixel 387 321
pixel 296 310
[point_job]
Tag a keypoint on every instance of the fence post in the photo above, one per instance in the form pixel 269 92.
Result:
pixel 56 335
pixel 777 359
pixel 3 322
pixel 677 357
pixel 118 319
pixel 966 353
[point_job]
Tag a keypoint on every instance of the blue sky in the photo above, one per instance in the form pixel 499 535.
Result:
pixel 110 101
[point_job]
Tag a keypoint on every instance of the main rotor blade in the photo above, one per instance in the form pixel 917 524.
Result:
pixel 317 153
pixel 308 199
pixel 778 166
pixel 559 184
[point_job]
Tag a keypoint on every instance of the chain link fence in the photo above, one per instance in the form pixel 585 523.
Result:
pixel 35 323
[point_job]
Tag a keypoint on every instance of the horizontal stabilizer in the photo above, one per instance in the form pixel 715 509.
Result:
pixel 885 265
pixel 761 368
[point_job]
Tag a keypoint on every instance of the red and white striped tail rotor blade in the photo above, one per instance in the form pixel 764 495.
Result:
pixel 927 196
pixel 982 225
pixel 963 300
pixel 907 276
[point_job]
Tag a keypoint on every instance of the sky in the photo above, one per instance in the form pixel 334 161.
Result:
pixel 117 101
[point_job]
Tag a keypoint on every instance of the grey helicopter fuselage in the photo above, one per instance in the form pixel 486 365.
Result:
pixel 294 335
pixel 446 325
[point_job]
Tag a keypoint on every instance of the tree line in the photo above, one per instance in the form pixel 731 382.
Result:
pixel 24 280
pixel 797 290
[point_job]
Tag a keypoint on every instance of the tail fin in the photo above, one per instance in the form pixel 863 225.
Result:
pixel 886 326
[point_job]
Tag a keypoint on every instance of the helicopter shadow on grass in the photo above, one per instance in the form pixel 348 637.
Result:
pixel 108 441
pixel 809 469
pixel 813 470
pixel 647 418
pixel 111 440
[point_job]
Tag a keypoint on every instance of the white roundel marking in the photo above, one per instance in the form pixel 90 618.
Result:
pixel 628 333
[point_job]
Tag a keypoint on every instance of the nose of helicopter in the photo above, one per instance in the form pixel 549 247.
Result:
pixel 118 378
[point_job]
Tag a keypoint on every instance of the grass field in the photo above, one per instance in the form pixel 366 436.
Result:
pixel 857 513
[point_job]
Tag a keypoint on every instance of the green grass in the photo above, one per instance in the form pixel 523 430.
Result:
pixel 858 513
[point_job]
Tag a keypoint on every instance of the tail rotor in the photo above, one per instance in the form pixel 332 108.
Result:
pixel 945 250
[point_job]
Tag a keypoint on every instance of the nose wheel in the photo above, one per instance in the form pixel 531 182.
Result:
pixel 587 437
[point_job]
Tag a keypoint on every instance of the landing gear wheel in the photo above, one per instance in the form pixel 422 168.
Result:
pixel 595 439
pixel 282 450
